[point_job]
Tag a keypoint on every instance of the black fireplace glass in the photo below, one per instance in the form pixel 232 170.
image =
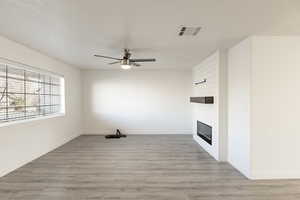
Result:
pixel 204 131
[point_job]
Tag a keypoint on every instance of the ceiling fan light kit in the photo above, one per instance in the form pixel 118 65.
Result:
pixel 125 67
pixel 126 62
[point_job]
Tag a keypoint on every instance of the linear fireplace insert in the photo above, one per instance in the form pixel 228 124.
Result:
pixel 204 131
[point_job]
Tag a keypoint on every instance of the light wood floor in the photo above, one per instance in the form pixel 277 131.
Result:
pixel 142 167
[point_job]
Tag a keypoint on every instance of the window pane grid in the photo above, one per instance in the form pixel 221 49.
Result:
pixel 26 94
pixel 22 79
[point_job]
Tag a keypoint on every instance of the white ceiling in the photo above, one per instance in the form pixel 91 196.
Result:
pixel 74 30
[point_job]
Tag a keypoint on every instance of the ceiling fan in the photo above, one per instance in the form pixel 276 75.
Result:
pixel 126 62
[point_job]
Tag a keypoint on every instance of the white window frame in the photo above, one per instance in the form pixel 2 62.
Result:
pixel 29 68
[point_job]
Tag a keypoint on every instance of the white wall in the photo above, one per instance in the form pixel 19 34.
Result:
pixel 275 107
pixel 239 75
pixel 223 105
pixel 213 69
pixel 264 112
pixel 137 102
pixel 21 143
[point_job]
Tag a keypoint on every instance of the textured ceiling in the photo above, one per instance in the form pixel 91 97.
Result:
pixel 74 30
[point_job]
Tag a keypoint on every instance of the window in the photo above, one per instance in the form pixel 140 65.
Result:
pixel 26 93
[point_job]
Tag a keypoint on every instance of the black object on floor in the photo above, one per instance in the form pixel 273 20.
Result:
pixel 118 135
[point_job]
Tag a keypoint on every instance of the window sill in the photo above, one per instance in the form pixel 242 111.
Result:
pixel 30 120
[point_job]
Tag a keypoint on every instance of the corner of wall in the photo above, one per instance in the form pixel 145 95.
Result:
pixel 238 107
pixel 223 76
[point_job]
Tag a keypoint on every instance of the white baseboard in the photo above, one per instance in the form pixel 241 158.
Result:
pixel 206 147
pixel 142 132
pixel 268 175
pixel 244 172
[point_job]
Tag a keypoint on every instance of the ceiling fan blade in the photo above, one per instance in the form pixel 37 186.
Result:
pixel 112 63
pixel 143 60
pixel 136 64
pixel 107 57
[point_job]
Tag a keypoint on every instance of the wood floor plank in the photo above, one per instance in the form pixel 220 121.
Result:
pixel 143 167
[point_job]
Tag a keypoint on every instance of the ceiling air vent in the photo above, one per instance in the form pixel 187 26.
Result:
pixel 189 31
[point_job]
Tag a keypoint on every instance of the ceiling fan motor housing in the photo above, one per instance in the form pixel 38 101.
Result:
pixel 125 62
pixel 127 54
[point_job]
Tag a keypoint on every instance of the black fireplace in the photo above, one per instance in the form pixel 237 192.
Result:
pixel 204 131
